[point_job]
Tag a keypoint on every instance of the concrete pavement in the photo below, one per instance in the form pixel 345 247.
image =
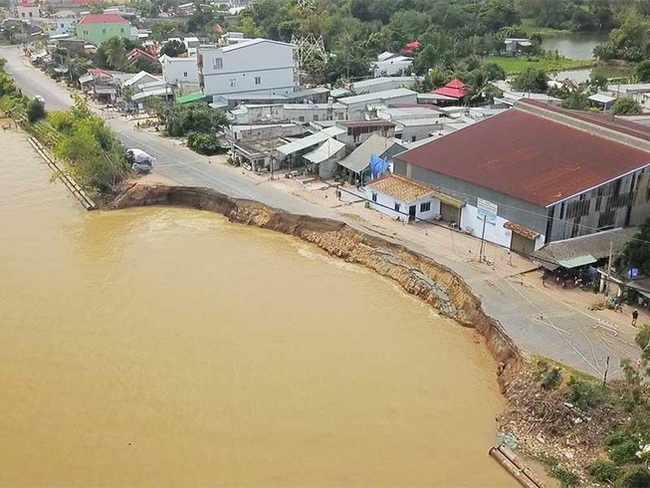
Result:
pixel 541 321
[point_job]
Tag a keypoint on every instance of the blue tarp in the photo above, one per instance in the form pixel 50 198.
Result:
pixel 377 166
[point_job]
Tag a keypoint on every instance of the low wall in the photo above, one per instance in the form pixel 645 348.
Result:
pixel 420 276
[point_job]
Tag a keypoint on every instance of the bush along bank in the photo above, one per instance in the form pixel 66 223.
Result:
pixel 82 141
pixel 584 430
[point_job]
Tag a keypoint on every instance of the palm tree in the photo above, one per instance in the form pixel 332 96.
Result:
pixel 115 53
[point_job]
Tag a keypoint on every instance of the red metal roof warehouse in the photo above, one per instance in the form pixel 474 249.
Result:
pixel 529 157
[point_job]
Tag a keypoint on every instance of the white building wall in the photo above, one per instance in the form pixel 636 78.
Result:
pixel 495 231
pixel 393 67
pixel 386 205
pixel 418 132
pixel 260 68
pixel 178 71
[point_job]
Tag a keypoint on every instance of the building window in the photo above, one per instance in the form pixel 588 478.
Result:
pixel 258 80
pixel 374 197
pixel 233 82
pixel 425 207
pixel 22 14
pixel 86 32
pixel 122 30
pixel 30 14
pixel 103 31
pixel 397 207
pixel 62 26
pixel 315 117
pixel 184 74
pixel 301 118
pixel 218 63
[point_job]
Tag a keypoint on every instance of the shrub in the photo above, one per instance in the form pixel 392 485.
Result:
pixel 604 471
pixel 35 111
pixel 585 394
pixel 566 477
pixel 207 144
pixel 552 378
pixel 621 446
pixel 634 477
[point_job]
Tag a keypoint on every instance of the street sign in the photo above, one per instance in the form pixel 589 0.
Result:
pixel 487 211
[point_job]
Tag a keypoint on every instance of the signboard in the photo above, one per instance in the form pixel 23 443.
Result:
pixel 487 211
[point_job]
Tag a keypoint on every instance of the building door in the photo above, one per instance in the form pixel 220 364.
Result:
pixel 412 213
pixel 449 213
pixel 521 244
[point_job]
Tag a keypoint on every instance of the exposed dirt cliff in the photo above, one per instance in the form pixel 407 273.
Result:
pixel 418 275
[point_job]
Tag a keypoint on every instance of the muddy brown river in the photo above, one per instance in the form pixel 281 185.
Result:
pixel 168 347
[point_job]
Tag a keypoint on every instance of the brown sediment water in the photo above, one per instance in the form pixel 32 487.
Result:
pixel 162 346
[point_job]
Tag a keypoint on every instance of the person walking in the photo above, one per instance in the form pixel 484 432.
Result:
pixel 635 316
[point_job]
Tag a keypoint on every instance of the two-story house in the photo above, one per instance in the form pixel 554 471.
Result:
pixel 98 28
pixel 253 67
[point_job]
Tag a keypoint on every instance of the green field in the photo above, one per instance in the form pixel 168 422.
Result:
pixel 518 64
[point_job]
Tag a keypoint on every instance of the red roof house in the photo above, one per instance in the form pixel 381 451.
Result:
pixel 102 19
pixel 27 4
pixel 454 89
pixel 411 48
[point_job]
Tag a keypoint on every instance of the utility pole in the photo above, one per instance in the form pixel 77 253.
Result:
pixel 609 267
pixel 606 370
pixel 480 253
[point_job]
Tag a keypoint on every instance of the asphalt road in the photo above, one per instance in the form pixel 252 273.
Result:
pixel 174 162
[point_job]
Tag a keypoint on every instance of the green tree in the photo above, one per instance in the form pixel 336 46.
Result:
pixel 636 253
pixel 35 111
pixel 497 14
pixel 173 49
pixel 576 100
pixel 634 477
pixel 642 71
pixel 627 106
pixel 115 53
pixel 531 80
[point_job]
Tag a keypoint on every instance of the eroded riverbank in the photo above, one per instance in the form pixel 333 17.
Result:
pixel 420 276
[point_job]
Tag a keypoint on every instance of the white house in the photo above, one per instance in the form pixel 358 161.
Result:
pixel 181 72
pixel 403 199
pixel 390 64
pixel 254 67
pixel 28 10
pixel 191 45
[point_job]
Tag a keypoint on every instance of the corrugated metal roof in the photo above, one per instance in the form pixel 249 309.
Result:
pixel 528 157
pixel 585 249
pixel 359 159
pixel 325 151
pixel 302 144
pixel 382 95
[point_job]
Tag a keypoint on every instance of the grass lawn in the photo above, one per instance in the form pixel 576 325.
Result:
pixel 520 63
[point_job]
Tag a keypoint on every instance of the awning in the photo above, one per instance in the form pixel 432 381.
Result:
pixel 577 261
pixel 158 92
pixel 449 200
pixel 191 98
pixel 522 230
pixel 325 151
